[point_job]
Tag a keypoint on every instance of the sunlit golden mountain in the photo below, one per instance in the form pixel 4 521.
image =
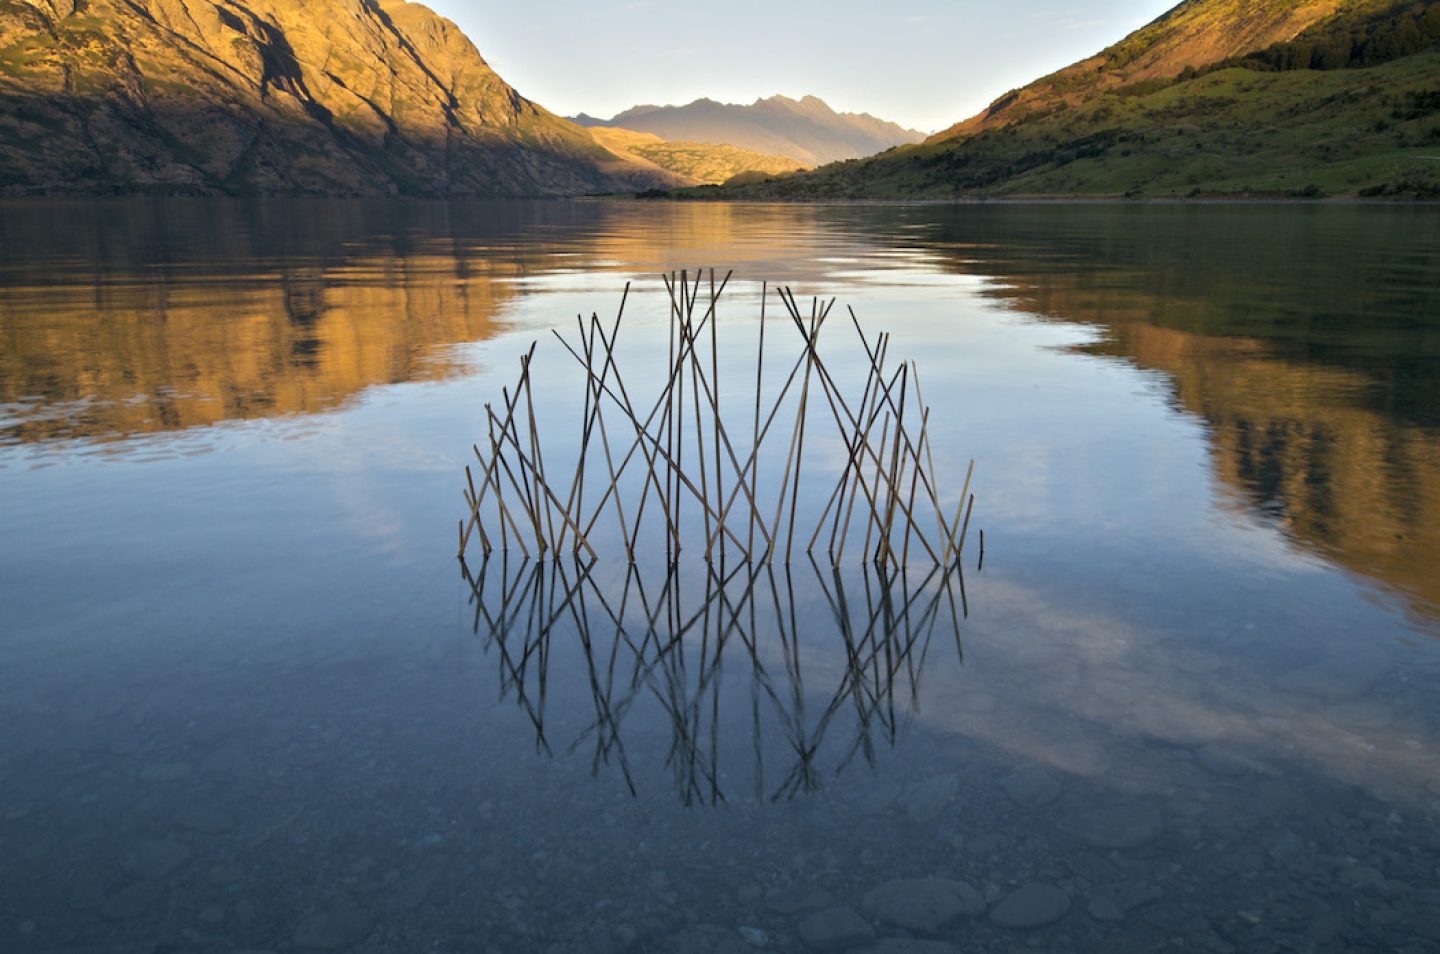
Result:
pixel 347 97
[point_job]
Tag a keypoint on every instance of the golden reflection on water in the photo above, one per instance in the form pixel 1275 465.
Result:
pixel 135 358
pixel 117 321
pixel 1339 447
pixel 107 333
pixel 1357 486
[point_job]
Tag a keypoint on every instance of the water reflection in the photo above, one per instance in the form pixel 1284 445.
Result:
pixel 1305 339
pixel 725 656
pixel 127 318
pixel 1308 342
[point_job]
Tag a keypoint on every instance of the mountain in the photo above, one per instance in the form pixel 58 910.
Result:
pixel 806 130
pixel 1217 98
pixel 362 97
pixel 693 163
pixel 1190 35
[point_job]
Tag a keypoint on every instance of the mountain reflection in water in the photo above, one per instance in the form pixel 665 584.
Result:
pixel 1306 339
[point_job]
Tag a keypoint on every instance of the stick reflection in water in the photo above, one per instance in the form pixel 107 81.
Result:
pixel 723 655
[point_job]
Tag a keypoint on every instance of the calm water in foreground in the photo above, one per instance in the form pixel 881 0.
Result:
pixel 249 701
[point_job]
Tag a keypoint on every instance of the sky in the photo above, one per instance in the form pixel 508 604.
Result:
pixel 922 63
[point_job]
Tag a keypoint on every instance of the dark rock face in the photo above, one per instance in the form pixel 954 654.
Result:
pixel 333 97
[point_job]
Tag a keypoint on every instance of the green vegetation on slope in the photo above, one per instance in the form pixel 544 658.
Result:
pixel 1235 132
pixel 1269 122
pixel 1355 38
pixel 1192 35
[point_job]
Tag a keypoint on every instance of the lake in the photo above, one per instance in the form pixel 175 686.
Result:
pixel 251 701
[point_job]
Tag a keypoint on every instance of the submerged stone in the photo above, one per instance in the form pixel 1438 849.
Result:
pixel 1031 788
pixel 340 927
pixel 923 904
pixel 794 898
pixel 1120 824
pixel 1104 908
pixel 1030 906
pixel 153 860
pixel 834 929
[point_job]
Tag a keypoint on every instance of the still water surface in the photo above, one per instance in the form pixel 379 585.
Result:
pixel 249 700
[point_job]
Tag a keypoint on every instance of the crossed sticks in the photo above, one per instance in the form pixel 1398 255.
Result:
pixel 680 459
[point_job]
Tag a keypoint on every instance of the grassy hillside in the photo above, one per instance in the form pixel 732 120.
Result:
pixel 1348 106
pixel 1194 34
pixel 692 163
pixel 1233 132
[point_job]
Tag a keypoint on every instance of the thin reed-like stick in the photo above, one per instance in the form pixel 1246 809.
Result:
pixel 713 393
pixel 755 434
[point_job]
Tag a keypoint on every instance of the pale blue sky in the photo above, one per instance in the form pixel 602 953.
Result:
pixel 923 63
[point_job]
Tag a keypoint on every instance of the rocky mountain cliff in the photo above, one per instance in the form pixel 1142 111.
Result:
pixel 806 130
pixel 363 97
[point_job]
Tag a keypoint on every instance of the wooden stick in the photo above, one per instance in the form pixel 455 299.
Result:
pixel 929 457
pixel 815 319
pixel 968 507
pixel 523 487
pixel 930 490
pixel 497 459
pixel 959 508
pixel 538 470
pixel 755 434
pixel 914 483
pixel 541 485
pixel 894 492
pixel 838 494
pixel 642 435
pixel 715 396
pixel 833 396
pixel 882 349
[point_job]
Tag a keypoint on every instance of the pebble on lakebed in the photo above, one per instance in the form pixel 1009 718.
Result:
pixel 1121 824
pixel 834 929
pixel 926 905
pixel 1030 906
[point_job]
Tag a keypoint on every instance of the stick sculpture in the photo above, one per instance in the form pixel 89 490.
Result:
pixel 676 455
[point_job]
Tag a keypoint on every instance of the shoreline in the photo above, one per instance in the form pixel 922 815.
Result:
pixel 1056 200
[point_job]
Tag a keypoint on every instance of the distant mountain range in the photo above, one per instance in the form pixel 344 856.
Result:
pixel 694 163
pixel 362 97
pixel 805 130
pixel 1216 98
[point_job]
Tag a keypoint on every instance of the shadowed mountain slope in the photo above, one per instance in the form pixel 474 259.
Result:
pixel 367 97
